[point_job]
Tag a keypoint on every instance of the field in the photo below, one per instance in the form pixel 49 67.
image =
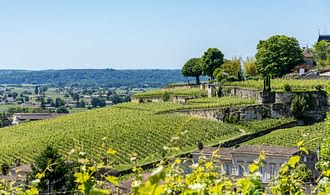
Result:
pixel 198 103
pixel 172 92
pixel 259 125
pixel 127 128
pixel 278 84
pixel 312 135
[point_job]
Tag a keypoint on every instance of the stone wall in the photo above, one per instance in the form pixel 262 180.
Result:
pixel 243 93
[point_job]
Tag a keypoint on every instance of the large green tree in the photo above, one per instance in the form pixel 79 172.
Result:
pixel 278 55
pixel 192 68
pixel 212 59
pixel 321 51
pixel 56 174
pixel 230 69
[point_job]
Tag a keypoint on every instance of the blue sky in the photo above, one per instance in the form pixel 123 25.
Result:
pixel 126 34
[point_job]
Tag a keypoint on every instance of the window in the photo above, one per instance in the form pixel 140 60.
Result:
pixel 304 158
pixel 240 170
pixel 273 171
pixel 228 169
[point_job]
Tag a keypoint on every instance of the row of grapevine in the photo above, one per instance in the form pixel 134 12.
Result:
pixel 253 126
pixel 172 92
pixel 278 84
pixel 126 129
pixel 312 135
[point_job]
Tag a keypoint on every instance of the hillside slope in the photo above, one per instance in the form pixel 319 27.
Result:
pixel 127 127
pixel 94 77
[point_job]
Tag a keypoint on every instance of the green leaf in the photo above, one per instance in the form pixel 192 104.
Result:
pixel 111 151
pixel 253 168
pixel 112 179
pixel 293 161
pixel 300 143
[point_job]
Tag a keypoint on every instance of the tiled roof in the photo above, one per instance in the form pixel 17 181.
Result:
pixel 225 153
pixel 269 150
pixel 35 116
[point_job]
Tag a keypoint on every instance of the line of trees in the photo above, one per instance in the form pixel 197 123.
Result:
pixel 275 57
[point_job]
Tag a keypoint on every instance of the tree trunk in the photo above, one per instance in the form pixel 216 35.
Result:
pixel 197 80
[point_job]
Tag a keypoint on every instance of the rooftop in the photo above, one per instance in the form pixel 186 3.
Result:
pixel 226 153
pixel 323 37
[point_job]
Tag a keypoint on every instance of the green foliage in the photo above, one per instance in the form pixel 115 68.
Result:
pixel 300 105
pixel 128 127
pixel 93 77
pixel 278 84
pixel 278 55
pixel 192 68
pixel 253 126
pixel 172 92
pixel 4 169
pixel 250 67
pixel 52 172
pixel 230 68
pixel 321 51
pixel 62 109
pixel 166 96
pixel 211 59
pixel 287 88
pixel 312 136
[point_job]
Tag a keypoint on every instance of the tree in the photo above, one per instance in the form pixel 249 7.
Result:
pixel 250 67
pixel 278 55
pixel 321 51
pixel 58 176
pixel 62 109
pixel 230 69
pixel 59 102
pixel 97 102
pixel 36 90
pixel 212 59
pixel 192 68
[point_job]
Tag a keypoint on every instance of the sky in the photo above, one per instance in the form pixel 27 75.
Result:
pixel 164 34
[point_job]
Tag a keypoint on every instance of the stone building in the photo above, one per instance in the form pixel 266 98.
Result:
pixel 236 161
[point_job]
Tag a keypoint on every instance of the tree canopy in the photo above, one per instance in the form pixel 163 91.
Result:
pixel 212 59
pixel 230 69
pixel 278 55
pixel 250 67
pixel 192 68
pixel 321 51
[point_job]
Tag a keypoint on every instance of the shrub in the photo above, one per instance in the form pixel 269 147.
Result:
pixel 4 169
pixel 166 96
pixel 299 106
pixel 319 87
pixel 287 88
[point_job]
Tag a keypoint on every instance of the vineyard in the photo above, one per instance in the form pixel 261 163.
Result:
pixel 312 136
pixel 172 93
pixel 198 103
pixel 278 84
pixel 253 126
pixel 125 128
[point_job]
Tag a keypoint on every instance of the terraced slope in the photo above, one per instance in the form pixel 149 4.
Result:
pixel 128 128
pixel 312 135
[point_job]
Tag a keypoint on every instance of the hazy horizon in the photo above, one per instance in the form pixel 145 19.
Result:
pixel 41 35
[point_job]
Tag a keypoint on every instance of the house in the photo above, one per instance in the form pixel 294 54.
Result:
pixel 308 57
pixel 324 37
pixel 20 117
pixel 236 161
pixel 17 174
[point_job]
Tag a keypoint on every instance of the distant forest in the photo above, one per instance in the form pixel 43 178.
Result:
pixel 94 77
